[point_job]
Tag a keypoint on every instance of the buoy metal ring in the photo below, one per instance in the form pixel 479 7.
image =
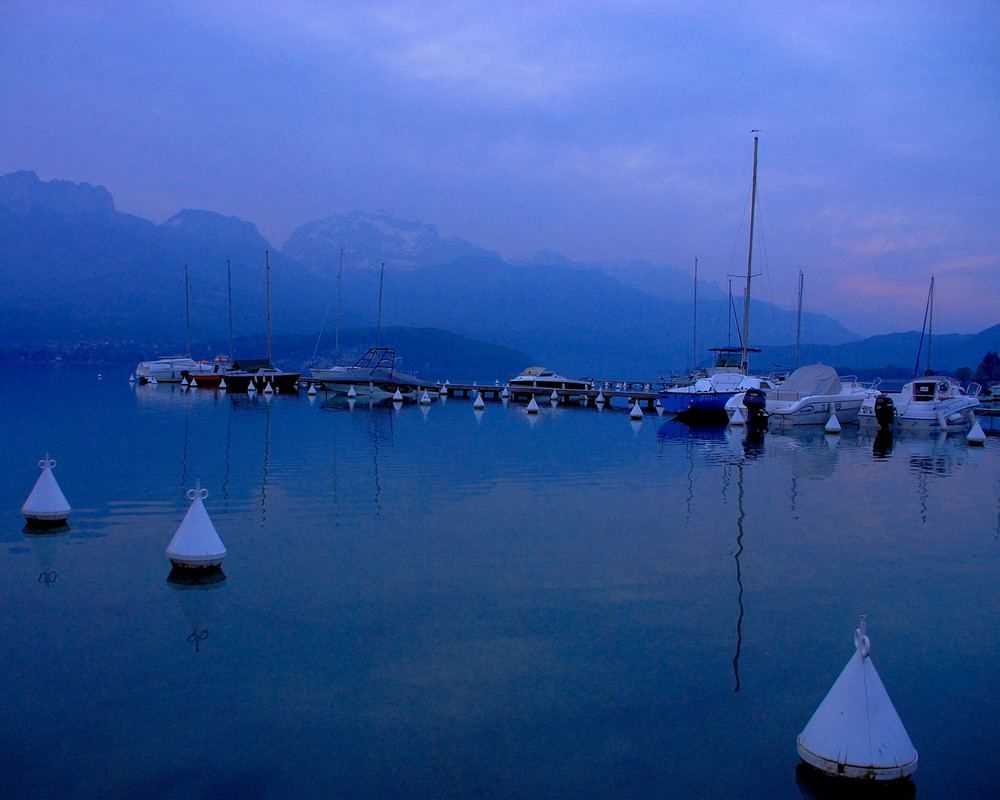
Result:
pixel 47 462
pixel 862 643
pixel 193 493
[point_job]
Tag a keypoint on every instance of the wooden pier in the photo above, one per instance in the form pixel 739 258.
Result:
pixel 645 394
pixel 642 393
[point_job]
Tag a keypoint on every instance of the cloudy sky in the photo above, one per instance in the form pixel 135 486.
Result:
pixel 601 130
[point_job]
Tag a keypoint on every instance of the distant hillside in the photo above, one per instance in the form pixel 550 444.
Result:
pixel 76 270
pixel 947 353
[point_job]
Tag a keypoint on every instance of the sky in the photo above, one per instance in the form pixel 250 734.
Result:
pixel 603 131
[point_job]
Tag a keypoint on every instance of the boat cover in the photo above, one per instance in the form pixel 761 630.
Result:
pixel 811 380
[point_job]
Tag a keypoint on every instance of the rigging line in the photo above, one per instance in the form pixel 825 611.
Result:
pixel 201 322
pixel 326 316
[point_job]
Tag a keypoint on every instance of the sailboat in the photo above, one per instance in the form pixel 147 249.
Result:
pixel 174 369
pixel 931 403
pixel 706 398
pixel 260 372
pixel 374 375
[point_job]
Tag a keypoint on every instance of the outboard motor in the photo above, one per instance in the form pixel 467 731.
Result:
pixel 885 412
pixel 754 402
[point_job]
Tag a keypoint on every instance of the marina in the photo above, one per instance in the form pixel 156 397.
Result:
pixel 437 601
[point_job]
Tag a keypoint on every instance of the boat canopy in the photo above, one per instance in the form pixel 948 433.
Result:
pixel 252 365
pixel 812 379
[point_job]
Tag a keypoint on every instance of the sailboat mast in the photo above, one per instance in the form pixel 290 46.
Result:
pixel 798 323
pixel 187 312
pixel 267 262
pixel 378 326
pixel 694 327
pixel 229 283
pixel 746 293
pixel 930 323
pixel 336 338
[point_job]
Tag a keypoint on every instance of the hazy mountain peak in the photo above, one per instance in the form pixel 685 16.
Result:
pixel 371 239
pixel 22 191
pixel 198 223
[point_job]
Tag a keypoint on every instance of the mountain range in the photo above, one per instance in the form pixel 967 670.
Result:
pixel 77 270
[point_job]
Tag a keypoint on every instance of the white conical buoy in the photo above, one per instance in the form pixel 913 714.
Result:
pixel 251 387
pixel 397 397
pixel 600 397
pixel 479 402
pixel 46 506
pixel 152 380
pixel 268 388
pixel 222 384
pixel 351 393
pixel 976 435
pixel 636 412
pixel 532 406
pixel 184 382
pixel 196 544
pixel 425 398
pixel 312 389
pixel 131 377
pixel 554 397
pixel 505 394
pixel 737 419
pixel 856 732
pixel 833 424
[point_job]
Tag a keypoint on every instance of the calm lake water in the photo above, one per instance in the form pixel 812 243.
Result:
pixel 434 603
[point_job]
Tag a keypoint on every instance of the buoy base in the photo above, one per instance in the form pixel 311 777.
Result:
pixel 204 576
pixel 48 530
pixel 816 784
pixel 855 772
pixel 197 563
pixel 45 524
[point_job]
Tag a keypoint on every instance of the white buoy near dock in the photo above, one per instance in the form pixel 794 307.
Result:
pixel 505 394
pixel 833 424
pixel 268 389
pixel 636 412
pixel 479 403
pixel 351 393
pixel 737 419
pixel 397 396
pixel 222 385
pixel 312 389
pixel 976 434
pixel 131 377
pixel 532 405
pixel 554 397
pixel 196 544
pixel 425 398
pixel 46 506
pixel 856 732
pixel 152 380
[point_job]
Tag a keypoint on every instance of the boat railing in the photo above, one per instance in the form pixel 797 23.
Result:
pixel 974 389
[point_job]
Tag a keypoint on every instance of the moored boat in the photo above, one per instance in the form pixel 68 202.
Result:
pixel 706 398
pixel 174 369
pixel 809 396
pixel 374 375
pixel 932 404
pixel 541 378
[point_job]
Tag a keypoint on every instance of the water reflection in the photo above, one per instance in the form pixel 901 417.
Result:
pixel 48 548
pixel 194 590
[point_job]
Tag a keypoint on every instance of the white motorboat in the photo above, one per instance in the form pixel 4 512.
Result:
pixel 932 404
pixel 541 378
pixel 173 369
pixel 809 396
pixel 374 375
